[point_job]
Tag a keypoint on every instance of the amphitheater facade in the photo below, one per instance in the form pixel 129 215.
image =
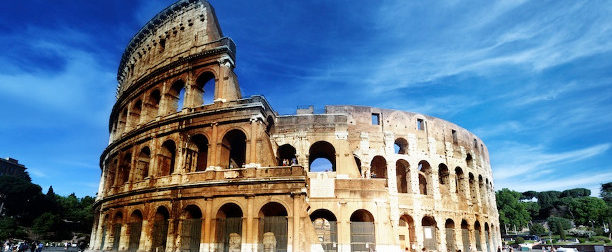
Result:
pixel 192 165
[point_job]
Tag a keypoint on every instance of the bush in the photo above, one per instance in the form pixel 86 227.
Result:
pixel 537 229
pixel 581 240
pixel 607 240
pixel 580 233
pixel 556 224
pixel 519 240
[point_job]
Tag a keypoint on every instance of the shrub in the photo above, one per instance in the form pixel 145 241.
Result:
pixel 581 240
pixel 519 240
pixel 580 233
pixel 537 229
pixel 607 240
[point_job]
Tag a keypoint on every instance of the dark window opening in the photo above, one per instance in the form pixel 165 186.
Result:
pixel 322 150
pixel 420 124
pixel 197 153
pixel 375 119
pixel 234 149
pixel 286 155
pixel 167 158
pixel 454 133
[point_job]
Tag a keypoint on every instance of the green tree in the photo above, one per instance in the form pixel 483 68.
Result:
pixel 547 201
pixel 587 209
pixel 576 193
pixel 557 224
pixel 606 192
pixel 45 224
pixel 22 200
pixel 528 195
pixel 511 210
pixel 537 229
pixel 533 208
pixel 10 229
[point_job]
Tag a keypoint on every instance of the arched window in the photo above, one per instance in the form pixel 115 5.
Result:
pixel 116 230
pixel 205 92
pixel 273 226
pixel 465 235
pixel 407 235
pixel 459 182
pixel 429 233
pixel 160 229
pixel 358 164
pixel 322 157
pixel 477 235
pixel 176 96
pixel 134 230
pixel 134 118
pixel 286 155
pixel 468 160
pixel 124 169
pixel 443 179
pixel 487 237
pixel 233 152
pixel 111 170
pixel 167 158
pixel 401 146
pixel 378 167
pixel 197 153
pixel 142 165
pixel 481 188
pixel 228 231
pixel 402 173
pixel 424 178
pixel 153 104
pixel 324 222
pixel 121 123
pixel 362 231
pixel 450 235
pixel 191 227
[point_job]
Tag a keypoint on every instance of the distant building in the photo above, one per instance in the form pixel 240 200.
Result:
pixel 11 166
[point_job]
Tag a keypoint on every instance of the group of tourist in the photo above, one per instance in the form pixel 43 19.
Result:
pixel 34 246
pixel 287 162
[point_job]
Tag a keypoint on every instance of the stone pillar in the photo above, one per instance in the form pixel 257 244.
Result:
pixel 344 228
pixel 207 236
pixel 213 156
pixel 296 223
pixel 125 237
pixel 171 240
pixel 251 145
pixel 418 231
pixel 441 233
pixel 250 243
pixel 452 188
pixel 145 233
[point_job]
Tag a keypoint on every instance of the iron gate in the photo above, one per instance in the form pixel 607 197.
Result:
pixel 362 236
pixel 135 229
pixel 429 237
pixel 190 235
pixel 478 245
pixel 160 235
pixel 450 239
pixel 224 228
pixel 278 226
pixel 465 238
pixel 116 236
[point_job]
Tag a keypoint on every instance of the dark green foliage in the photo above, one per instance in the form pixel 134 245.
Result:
pixel 528 195
pixel 576 193
pixel 537 229
pixel 9 228
pixel 533 208
pixel 547 201
pixel 606 192
pixel 511 210
pixel 585 210
pixel 557 224
pixel 519 240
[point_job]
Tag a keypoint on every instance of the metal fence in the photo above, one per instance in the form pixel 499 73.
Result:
pixel 362 236
pixel 450 239
pixel 224 228
pixel 135 229
pixel 160 235
pixel 465 238
pixel 190 235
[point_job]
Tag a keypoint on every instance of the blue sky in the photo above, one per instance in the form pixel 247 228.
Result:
pixel 532 78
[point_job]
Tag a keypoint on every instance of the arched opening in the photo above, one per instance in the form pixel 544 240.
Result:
pixel 459 182
pixel 233 152
pixel 465 235
pixel 196 155
pixel 135 114
pixel 124 169
pixel 468 160
pixel 111 170
pixel 483 193
pixel 362 231
pixel 167 158
pixel 443 180
pixel 358 164
pixel 116 231
pixel 228 228
pixel 205 91
pixel 104 231
pixel 273 226
pixel 487 237
pixel 153 104
pixel 191 227
pixel 286 155
pixel 160 229
pixel 134 229
pixel 176 96
pixel 450 235
pixel 407 235
pixel 401 146
pixel 477 235
pixel 425 178
pixel 472 182
pixel 378 167
pixel 402 173
pixel 324 154
pixel 122 121
pixel 269 125
pixel 324 222
pixel 142 164
pixel 429 233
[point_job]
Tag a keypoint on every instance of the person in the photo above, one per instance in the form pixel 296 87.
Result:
pixel 33 246
pixel 40 247
pixel 82 245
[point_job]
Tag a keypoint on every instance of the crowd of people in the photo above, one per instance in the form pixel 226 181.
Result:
pixel 36 246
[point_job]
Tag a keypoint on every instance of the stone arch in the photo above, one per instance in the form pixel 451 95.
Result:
pixel 134 230
pixel 116 230
pixel 444 179
pixel 326 229
pixel 472 183
pixel 167 158
pixel 363 233
pixel 191 228
pixel 152 104
pixel 465 235
pixel 135 113
pixel 429 233
pixel 322 150
pixel 459 182
pixel 160 228
pixel 273 226
pixel 196 158
pixel 269 125
pixel 205 88
pixel 122 121
pixel 286 154
pixel 124 168
pixel 400 146
pixel 228 227
pixel 358 164
pixel 469 161
pixel 407 233
pixel 425 174
pixel 477 231
pixel 111 172
pixel 402 173
pixel 233 149
pixel 175 96
pixel 142 164
pixel 378 167
pixel 449 227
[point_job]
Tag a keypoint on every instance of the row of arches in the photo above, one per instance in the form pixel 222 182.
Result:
pixel 137 165
pixel 400 146
pixel 226 229
pixel 165 100
pixel 363 233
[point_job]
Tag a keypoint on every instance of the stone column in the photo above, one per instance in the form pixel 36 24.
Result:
pixel 249 242
pixel 125 237
pixel 207 236
pixel 213 157
pixel 171 240
pixel 296 223
pixel 145 233
pixel 251 145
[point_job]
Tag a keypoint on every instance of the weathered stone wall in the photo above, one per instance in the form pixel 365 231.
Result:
pixel 182 173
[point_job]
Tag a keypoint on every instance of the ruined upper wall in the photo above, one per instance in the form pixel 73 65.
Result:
pixel 184 29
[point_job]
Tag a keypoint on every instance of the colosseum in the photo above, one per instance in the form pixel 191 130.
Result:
pixel 192 165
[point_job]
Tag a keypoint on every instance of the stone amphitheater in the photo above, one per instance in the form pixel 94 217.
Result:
pixel 192 165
